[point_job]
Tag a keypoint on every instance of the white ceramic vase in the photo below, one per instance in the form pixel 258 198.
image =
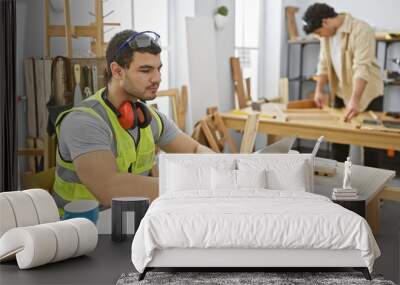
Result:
pixel 220 21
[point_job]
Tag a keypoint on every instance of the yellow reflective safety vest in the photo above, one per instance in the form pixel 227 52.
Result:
pixel 131 158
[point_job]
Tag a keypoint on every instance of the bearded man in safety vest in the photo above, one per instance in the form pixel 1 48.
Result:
pixel 106 144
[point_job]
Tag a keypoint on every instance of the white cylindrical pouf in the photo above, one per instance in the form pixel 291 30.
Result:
pixel 87 235
pixel 45 205
pixel 7 217
pixel 23 207
pixel 67 239
pixel 34 246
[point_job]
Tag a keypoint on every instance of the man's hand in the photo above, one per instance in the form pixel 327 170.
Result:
pixel 98 171
pixel 321 99
pixel 352 109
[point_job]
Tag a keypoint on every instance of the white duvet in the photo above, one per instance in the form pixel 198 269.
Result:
pixel 250 219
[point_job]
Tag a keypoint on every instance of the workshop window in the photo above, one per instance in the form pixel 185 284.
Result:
pixel 246 39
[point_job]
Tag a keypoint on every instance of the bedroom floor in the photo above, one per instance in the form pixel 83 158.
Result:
pixel 389 239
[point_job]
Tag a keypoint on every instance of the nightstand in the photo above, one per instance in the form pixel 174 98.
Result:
pixel 357 206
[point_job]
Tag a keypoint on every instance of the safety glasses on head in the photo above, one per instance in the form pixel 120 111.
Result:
pixel 139 40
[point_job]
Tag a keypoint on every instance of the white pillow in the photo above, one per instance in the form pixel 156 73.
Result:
pixel 186 174
pixel 251 178
pixel 281 174
pixel 182 177
pixel 223 179
pixel 279 178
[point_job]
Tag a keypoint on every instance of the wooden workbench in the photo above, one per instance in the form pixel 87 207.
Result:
pixel 334 131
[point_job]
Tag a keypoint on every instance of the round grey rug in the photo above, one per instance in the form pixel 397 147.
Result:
pixel 229 278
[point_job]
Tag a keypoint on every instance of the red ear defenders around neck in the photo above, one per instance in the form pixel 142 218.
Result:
pixel 134 115
pixel 131 114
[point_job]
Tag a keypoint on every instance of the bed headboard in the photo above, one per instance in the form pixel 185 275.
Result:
pixel 213 159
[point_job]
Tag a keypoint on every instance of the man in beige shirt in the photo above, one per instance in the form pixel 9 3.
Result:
pixel 347 61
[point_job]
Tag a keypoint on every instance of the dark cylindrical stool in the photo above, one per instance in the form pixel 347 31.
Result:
pixel 139 205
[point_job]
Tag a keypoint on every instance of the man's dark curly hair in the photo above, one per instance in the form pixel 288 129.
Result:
pixel 312 18
pixel 125 56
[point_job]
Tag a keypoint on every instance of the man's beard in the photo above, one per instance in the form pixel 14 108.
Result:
pixel 146 95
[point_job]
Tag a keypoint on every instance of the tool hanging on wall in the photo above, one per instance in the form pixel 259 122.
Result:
pixel 94 77
pixel 77 91
pixel 86 82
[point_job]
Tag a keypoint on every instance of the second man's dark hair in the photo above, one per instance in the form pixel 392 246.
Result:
pixel 125 56
pixel 315 14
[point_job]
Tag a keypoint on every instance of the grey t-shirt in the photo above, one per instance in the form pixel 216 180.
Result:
pixel 82 133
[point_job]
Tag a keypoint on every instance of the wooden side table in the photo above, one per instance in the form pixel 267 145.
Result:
pixel 368 181
pixel 138 205
pixel 357 206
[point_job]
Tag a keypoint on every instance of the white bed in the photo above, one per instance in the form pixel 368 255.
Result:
pixel 202 220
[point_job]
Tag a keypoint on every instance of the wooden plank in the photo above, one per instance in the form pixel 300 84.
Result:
pixel 284 90
pixel 99 28
pixel 46 29
pixel 41 97
pixel 307 111
pixel 30 151
pixel 390 193
pixel 40 160
pixel 167 93
pixel 219 130
pixel 30 143
pixel 301 104
pixel 43 76
pixel 373 209
pixel 51 150
pixel 249 134
pixel 207 133
pixel 248 89
pixel 182 107
pixel 380 128
pixel 173 95
pixel 68 31
pixel 31 96
pixel 373 115
pixel 290 12
pixel 196 132
pixel 198 135
pixel 310 116
pixel 46 152
pixel 175 108
pixel 76 31
pixel 225 133
pixel 60 84
pixel 237 77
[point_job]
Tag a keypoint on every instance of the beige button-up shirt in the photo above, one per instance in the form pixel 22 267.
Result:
pixel 357 61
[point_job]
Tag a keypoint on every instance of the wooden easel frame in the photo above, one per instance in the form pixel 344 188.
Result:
pixel 94 30
pixel 241 97
pixel 290 12
pixel 173 95
pixel 211 131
